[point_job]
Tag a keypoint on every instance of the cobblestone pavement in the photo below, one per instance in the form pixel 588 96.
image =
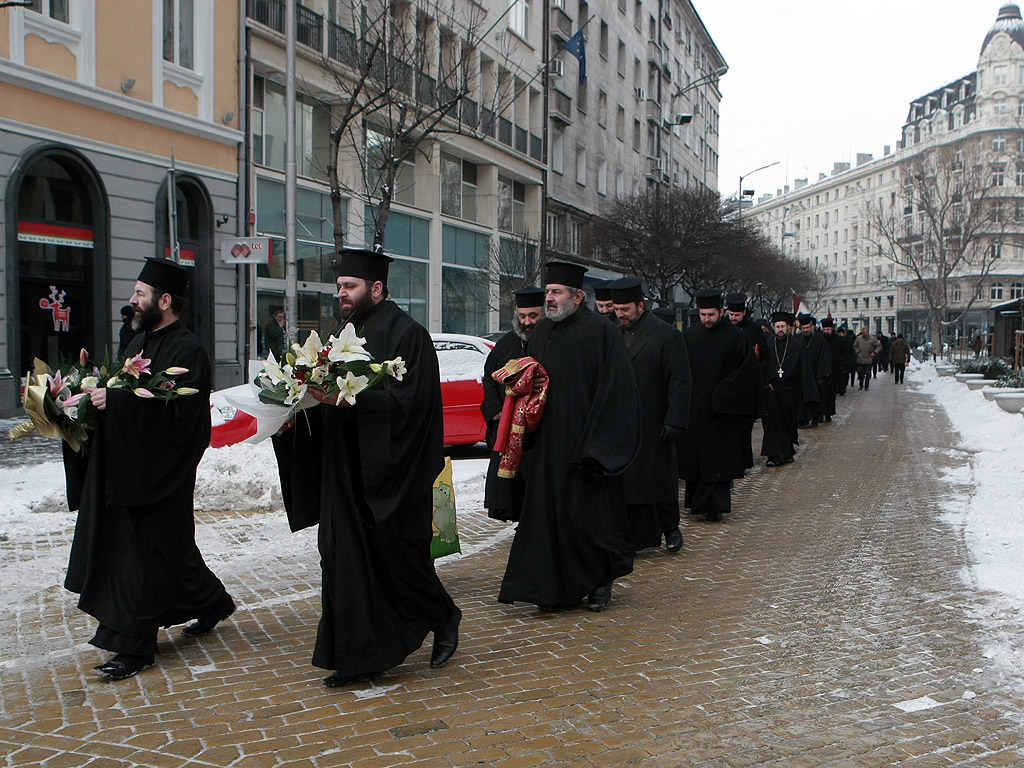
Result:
pixel 823 623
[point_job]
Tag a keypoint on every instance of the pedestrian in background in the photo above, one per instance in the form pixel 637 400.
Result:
pixel 274 336
pixel 127 331
pixel 899 356
pixel 866 347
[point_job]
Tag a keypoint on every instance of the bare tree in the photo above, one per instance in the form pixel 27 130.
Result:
pixel 667 236
pixel 401 77
pixel 945 227
pixel 517 262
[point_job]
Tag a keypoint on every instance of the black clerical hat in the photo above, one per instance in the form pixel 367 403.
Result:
pixel 564 273
pixel 709 298
pixel 736 302
pixel 165 276
pixel 529 297
pixel 827 322
pixel 804 319
pixel 602 292
pixel 787 317
pixel 366 265
pixel 127 311
pixel 665 313
pixel 626 290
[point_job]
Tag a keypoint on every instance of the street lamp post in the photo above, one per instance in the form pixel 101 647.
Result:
pixel 682 118
pixel 744 192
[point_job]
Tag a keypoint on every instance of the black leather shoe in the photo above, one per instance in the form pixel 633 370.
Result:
pixel 340 681
pixel 123 666
pixel 600 598
pixel 673 540
pixel 714 517
pixel 205 624
pixel 446 640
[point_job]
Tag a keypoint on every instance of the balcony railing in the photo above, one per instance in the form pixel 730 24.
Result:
pixel 309 28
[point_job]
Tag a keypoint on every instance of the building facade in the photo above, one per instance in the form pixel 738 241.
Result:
pixel 87 136
pixel 975 125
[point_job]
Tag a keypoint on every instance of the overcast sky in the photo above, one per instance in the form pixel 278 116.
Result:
pixel 814 82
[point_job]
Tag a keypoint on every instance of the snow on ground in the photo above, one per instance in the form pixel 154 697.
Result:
pixel 986 503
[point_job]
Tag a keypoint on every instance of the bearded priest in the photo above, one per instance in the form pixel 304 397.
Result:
pixel 790 387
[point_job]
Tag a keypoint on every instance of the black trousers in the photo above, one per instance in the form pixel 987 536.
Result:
pixel 898 369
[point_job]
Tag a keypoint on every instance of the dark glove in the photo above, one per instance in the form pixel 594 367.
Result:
pixel 668 434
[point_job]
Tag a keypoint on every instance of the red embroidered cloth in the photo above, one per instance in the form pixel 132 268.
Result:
pixel 521 411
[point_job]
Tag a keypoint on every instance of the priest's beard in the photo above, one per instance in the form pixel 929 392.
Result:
pixel 363 304
pixel 559 312
pixel 521 330
pixel 147 316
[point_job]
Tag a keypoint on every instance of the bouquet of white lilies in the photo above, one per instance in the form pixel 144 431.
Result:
pixel 338 370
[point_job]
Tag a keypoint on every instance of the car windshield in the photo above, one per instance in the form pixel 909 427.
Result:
pixel 458 360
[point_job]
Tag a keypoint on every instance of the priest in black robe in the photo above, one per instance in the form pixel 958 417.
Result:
pixel 503 496
pixel 790 386
pixel 739 315
pixel 134 561
pixel 365 473
pixel 724 392
pixel 603 301
pixel 658 355
pixel 573 538
pixel 820 361
pixel 836 348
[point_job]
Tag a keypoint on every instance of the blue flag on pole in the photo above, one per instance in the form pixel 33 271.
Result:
pixel 577 47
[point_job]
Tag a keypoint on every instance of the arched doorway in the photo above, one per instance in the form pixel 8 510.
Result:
pixel 58 256
pixel 194 212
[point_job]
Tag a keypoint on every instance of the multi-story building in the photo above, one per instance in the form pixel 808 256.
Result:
pixel 87 133
pixel 832 224
pixel 649 63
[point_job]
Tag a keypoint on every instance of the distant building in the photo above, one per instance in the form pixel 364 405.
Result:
pixel 828 224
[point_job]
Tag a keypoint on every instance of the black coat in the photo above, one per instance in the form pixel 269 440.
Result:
pixel 658 354
pixel 365 473
pixel 134 560
pixel 787 394
pixel 573 535
pixel 500 493
pixel 725 392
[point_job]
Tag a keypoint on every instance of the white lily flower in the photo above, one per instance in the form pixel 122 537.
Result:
pixel 90 382
pixel 272 369
pixel 347 347
pixel 318 374
pixel 351 386
pixel 296 392
pixel 396 368
pixel 306 354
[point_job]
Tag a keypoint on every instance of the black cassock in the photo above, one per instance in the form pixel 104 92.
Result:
pixel 755 333
pixel 789 392
pixel 820 361
pixel 725 390
pixel 503 496
pixel 658 354
pixel 836 348
pixel 365 474
pixel 573 535
pixel 134 560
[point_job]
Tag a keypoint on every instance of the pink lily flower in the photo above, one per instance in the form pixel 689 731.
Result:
pixel 83 357
pixel 144 393
pixel 136 366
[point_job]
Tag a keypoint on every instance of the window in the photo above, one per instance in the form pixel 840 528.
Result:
pixel 581 164
pixel 998 174
pixel 909 302
pixel 1017 290
pixel 620 124
pixel 511 205
pixel 466 256
pixel 54 9
pixel 996 291
pixel 999 143
pixel 312 134
pixel 602 108
pixel 996 250
pixel 377 160
pixel 999 76
pixel 957 294
pixel 620 62
pixel 604 41
pixel 552 232
pixel 558 150
pixel 575 237
pixel 458 187
pixel 620 182
pixel 602 176
pixel 179 33
pixel 519 16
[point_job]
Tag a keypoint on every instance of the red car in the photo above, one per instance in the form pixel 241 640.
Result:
pixel 461 360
